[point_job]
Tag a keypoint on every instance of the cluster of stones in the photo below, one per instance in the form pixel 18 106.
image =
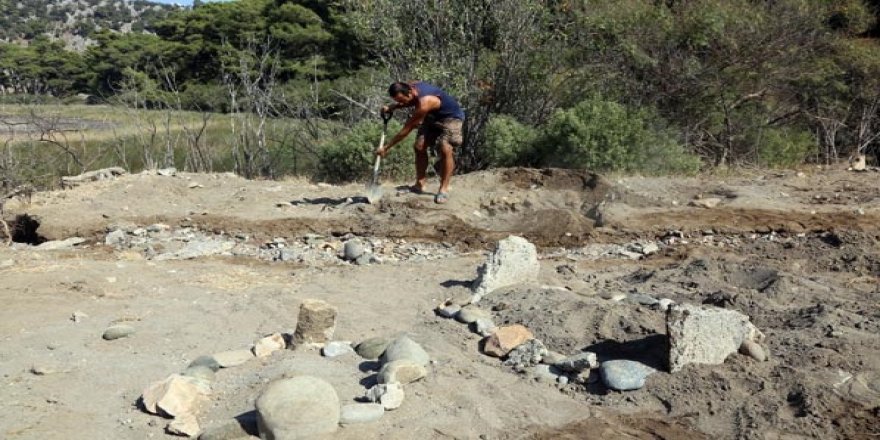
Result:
pixel 295 407
pixel 311 249
pixel 696 334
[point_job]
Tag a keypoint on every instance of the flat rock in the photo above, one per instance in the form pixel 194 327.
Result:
pixel 709 202
pixel 448 311
pixel 233 358
pixel 240 428
pixel 705 334
pixel 505 339
pixel 624 375
pixel 402 371
pixel 185 425
pixel 544 373
pixel 337 348
pixel 373 348
pixel 316 322
pixel 483 327
pixel 297 408
pixel 361 413
pixel 753 350
pixel 60 244
pixel 405 348
pixel 552 357
pixel 118 331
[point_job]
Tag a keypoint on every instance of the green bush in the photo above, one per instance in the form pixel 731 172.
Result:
pixel 508 142
pixel 350 157
pixel 606 136
pixel 784 147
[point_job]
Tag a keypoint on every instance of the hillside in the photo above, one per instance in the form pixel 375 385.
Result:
pixel 74 20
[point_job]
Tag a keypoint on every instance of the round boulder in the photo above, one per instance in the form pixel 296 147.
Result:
pixel 297 408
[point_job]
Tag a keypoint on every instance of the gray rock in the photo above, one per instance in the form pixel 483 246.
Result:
pixel 337 348
pixel 641 298
pixel 361 413
pixel 625 375
pixel 402 371
pixel 664 304
pixel 288 254
pixel 579 362
pixel 297 408
pixel 514 261
pixel 373 348
pixel 544 373
pixel 115 238
pixel 118 331
pixel 448 311
pixel 754 350
pixel 201 372
pixel 527 354
pixel 470 314
pixel 562 380
pixel 483 327
pixel 705 334
pixel 390 395
pixel 353 249
pixel 405 348
pixel 205 361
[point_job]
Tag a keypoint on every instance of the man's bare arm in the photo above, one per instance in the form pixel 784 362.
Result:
pixel 426 105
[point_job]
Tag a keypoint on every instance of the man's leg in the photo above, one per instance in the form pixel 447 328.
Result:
pixel 447 160
pixel 421 150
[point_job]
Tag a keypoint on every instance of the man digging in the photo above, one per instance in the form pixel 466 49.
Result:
pixel 438 118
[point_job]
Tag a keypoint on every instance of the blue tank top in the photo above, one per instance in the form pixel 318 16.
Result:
pixel 449 107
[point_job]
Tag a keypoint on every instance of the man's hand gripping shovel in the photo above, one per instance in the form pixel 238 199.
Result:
pixel 374 189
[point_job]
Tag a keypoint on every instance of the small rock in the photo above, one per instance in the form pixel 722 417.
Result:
pixel 268 345
pixel 390 395
pixel 579 362
pixel 753 349
pixel 372 348
pixel 316 322
pixel 514 261
pixel 233 358
pixel 709 203
pixel 118 331
pixel 167 172
pixel 42 370
pixel 552 357
pixel 195 185
pixel 361 413
pixel 484 327
pixel 469 314
pixel 239 428
pixel 176 395
pixel 527 354
pixel 705 334
pixel 641 298
pixel 403 371
pixel 353 249
pixel 505 339
pixel 78 316
pixel 337 348
pixel 562 380
pixel 625 375
pixel 405 348
pixel 207 361
pixel 664 304
pixel 544 373
pixel 185 425
pixel 115 238
pixel 202 372
pixel 364 260
pixel 298 407
pixel 448 311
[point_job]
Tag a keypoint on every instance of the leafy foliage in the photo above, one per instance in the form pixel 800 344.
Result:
pixel 350 157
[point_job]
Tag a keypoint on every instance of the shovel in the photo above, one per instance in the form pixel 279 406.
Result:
pixel 374 189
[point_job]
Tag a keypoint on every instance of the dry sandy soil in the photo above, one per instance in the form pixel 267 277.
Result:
pixel 797 252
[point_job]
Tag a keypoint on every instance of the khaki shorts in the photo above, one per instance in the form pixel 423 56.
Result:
pixel 444 130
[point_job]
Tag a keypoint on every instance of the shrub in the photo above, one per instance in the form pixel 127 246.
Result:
pixel 508 142
pixel 350 157
pixel 784 147
pixel 606 136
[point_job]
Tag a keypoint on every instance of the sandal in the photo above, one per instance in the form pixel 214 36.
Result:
pixel 441 198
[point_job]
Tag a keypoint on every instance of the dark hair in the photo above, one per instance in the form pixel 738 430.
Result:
pixel 399 87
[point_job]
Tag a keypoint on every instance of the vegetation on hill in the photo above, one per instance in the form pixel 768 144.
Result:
pixel 630 85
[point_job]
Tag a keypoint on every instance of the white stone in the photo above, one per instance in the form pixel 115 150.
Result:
pixel 582 361
pixel 403 371
pixel 405 348
pixel 233 358
pixel 514 261
pixel 361 413
pixel 268 345
pixel 316 322
pixel 175 395
pixel 705 335
pixel 185 424
pixel 337 348
pixel 390 395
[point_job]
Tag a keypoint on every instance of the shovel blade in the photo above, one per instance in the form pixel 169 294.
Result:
pixel 374 193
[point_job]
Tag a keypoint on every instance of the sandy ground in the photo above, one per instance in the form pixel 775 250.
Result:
pixel 797 252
